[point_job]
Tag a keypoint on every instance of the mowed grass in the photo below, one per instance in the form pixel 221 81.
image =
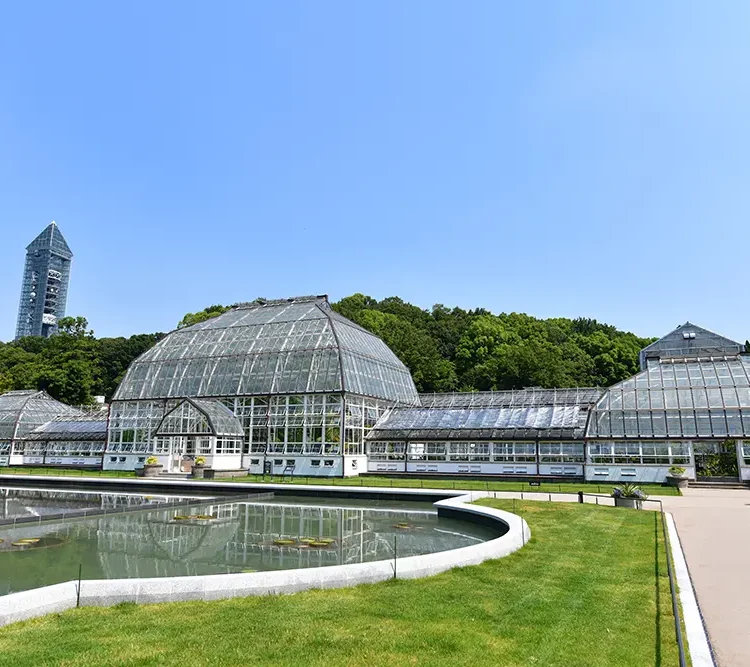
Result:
pixel 382 482
pixel 589 590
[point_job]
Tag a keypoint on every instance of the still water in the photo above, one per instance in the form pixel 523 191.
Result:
pixel 24 503
pixel 214 536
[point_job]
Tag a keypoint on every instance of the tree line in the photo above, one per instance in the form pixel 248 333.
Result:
pixel 446 349
pixel 72 365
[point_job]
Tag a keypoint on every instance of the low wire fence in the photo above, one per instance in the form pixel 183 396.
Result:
pixel 362 481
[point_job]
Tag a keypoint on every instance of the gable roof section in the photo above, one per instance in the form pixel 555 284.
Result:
pixel 690 341
pixel 195 416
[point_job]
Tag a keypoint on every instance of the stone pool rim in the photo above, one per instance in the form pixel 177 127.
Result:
pixel 36 602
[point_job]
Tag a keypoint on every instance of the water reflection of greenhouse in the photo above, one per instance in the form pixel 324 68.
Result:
pixel 245 536
pixel 23 502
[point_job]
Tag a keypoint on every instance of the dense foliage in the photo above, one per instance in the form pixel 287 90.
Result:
pixel 72 365
pixel 454 349
pixel 446 349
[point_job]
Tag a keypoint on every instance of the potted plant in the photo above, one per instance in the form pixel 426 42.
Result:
pixel 676 477
pixel 152 467
pixel 199 467
pixel 629 495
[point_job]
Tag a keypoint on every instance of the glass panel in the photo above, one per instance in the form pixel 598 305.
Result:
pixel 674 427
pixel 689 427
pixel 718 423
pixel 670 398
pixel 703 422
pixel 659 422
pixel 714 398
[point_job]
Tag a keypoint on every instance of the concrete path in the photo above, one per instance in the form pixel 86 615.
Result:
pixel 714 529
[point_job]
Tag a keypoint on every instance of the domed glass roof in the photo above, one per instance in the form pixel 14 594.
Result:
pixel 292 346
pixel 23 411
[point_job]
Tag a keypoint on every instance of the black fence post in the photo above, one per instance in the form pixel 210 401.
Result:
pixel 78 593
pixel 395 555
pixel 580 497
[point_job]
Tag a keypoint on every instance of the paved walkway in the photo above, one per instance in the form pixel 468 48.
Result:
pixel 714 529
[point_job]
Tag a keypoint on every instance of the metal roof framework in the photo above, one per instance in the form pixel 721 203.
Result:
pixel 690 341
pixel 291 346
pixel 195 416
pixel 71 428
pixel 678 398
pixel 526 414
pixel 25 410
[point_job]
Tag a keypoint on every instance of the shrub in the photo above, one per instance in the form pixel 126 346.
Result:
pixel 629 491
pixel 200 461
pixel 676 471
pixel 152 461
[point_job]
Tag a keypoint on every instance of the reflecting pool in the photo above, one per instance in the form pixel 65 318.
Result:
pixel 25 503
pixel 213 536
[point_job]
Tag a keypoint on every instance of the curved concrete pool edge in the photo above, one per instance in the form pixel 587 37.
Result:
pixel 104 592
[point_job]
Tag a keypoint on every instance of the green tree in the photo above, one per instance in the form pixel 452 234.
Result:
pixel 202 315
pixel 415 348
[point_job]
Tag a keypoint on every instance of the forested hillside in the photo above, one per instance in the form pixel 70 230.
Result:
pixel 453 349
pixel 446 349
pixel 72 365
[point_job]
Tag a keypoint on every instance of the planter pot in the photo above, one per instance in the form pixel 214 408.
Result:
pixel 632 503
pixel 152 470
pixel 680 482
pixel 198 472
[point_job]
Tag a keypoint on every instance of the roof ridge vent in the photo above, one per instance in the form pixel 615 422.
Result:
pixel 263 303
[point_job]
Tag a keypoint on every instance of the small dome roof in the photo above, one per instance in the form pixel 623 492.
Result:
pixel 292 346
pixel 23 411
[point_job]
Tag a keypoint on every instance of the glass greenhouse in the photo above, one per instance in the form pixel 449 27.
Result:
pixel 304 383
pixel 291 387
pixel 77 440
pixel 521 432
pixel 20 413
pixel 688 407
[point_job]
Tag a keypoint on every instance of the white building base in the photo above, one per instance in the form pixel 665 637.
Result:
pixel 353 465
pixel 386 466
pixel 468 468
pixel 636 474
pixel 319 465
pixel 117 461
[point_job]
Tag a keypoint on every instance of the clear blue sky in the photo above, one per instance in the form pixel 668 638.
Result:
pixel 556 158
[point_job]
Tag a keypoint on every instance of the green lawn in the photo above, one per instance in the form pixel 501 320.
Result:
pixel 589 590
pixel 405 483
